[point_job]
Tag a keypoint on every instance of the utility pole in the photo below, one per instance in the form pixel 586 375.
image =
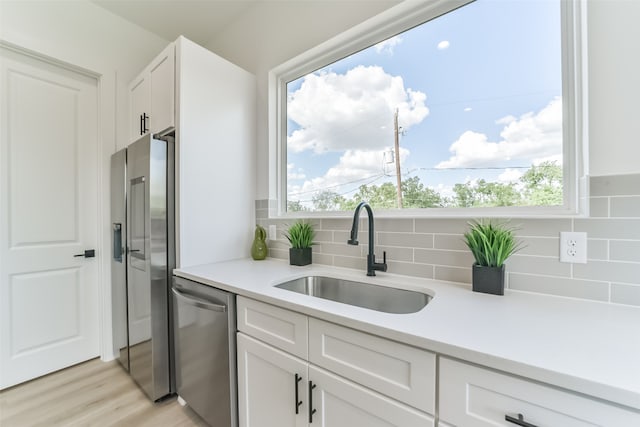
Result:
pixel 397 151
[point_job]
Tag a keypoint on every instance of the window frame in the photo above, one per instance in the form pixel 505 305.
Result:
pixel 398 19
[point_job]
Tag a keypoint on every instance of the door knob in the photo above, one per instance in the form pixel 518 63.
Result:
pixel 89 253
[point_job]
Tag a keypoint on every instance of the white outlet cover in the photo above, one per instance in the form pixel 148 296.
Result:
pixel 573 247
pixel 272 232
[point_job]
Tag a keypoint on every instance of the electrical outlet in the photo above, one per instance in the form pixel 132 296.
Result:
pixel 272 232
pixel 573 247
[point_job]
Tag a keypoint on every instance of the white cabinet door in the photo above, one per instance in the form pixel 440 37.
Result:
pixel 341 403
pixel 162 91
pixel 476 397
pixel 152 96
pixel 267 382
pixel 139 105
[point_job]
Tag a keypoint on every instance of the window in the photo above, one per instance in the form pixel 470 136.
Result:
pixel 466 106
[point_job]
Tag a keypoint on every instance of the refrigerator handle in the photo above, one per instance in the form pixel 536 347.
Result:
pixel 199 302
pixel 117 241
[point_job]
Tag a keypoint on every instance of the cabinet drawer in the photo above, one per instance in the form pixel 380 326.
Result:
pixel 281 328
pixel 396 370
pixel 473 396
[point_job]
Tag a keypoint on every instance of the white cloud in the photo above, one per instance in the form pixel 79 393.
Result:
pixel 510 175
pixel 291 174
pixel 444 44
pixel 351 111
pixel 353 168
pixel 529 138
pixel 388 45
pixel 467 109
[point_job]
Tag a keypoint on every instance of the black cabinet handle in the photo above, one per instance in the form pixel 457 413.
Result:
pixel 298 402
pixel 89 253
pixel 311 410
pixel 145 129
pixel 141 125
pixel 519 421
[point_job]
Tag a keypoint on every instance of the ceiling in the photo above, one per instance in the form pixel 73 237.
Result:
pixel 198 20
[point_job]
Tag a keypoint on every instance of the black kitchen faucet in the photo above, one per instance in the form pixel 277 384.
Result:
pixel 372 265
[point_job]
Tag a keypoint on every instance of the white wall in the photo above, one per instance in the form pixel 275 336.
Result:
pixel 269 35
pixel 86 36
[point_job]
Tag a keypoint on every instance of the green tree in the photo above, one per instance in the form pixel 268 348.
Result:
pixel 327 201
pixel 381 197
pixel 485 194
pixel 295 206
pixel 416 195
pixel 543 184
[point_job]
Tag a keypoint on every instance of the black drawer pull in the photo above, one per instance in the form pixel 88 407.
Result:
pixel 298 402
pixel 519 421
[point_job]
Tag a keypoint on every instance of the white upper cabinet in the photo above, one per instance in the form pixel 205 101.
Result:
pixel 210 106
pixel 152 96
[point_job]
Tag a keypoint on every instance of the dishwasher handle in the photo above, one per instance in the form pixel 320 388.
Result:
pixel 199 302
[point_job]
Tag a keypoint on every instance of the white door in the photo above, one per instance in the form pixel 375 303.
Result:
pixel 48 214
pixel 267 382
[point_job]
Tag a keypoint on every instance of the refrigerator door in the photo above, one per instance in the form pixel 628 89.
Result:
pixel 118 258
pixel 148 265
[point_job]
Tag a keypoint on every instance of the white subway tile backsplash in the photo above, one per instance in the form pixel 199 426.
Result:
pixel 597 249
pixel 323 236
pixel 625 294
pixel 408 240
pixel 341 249
pixel 613 271
pixel 542 246
pixel 434 247
pixel 449 241
pixel 561 286
pixel 615 185
pixel 393 253
pixel 538 265
pixel 609 228
pixel 411 269
pixel 441 226
pixel 599 207
pixel 453 274
pixel 350 262
pixel 540 227
pixel 624 250
pixel 625 206
pixel 440 257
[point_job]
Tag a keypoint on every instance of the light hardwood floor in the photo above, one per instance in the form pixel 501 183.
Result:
pixel 94 393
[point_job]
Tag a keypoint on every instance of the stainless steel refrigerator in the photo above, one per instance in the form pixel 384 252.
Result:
pixel 143 241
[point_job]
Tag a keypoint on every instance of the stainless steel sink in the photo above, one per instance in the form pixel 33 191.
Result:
pixel 366 295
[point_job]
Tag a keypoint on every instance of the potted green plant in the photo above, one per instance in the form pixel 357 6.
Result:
pixel 491 244
pixel 300 235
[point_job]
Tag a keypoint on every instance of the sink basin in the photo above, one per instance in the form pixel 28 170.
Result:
pixel 366 295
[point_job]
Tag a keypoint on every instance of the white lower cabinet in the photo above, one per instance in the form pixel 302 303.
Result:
pixel 348 379
pixel 276 389
pixel 471 396
pixel 267 386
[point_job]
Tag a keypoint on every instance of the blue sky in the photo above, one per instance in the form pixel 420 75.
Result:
pixel 453 79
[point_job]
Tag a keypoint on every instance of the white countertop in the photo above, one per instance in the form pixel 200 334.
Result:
pixel 588 347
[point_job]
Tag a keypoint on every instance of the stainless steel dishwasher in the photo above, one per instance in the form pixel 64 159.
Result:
pixel 205 351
